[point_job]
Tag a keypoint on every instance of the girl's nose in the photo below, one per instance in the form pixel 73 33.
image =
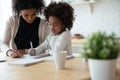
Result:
pixel 52 28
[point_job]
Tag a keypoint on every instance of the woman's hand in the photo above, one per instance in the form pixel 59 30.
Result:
pixel 32 52
pixel 15 53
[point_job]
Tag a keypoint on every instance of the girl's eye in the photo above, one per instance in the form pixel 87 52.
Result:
pixel 25 15
pixel 34 15
pixel 55 25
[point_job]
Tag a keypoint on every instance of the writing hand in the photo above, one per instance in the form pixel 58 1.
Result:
pixel 31 52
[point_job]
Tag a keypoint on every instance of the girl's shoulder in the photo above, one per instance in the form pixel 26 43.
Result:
pixel 66 33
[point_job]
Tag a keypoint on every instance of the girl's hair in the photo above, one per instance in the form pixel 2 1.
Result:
pixel 63 11
pixel 18 5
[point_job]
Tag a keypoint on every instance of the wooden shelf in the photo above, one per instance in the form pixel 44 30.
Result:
pixel 82 3
pixel 90 3
pixel 76 2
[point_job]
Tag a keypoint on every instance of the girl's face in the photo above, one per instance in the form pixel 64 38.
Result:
pixel 55 25
pixel 29 15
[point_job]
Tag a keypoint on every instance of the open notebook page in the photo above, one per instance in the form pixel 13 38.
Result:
pixel 2 58
pixel 25 62
pixel 29 61
pixel 26 56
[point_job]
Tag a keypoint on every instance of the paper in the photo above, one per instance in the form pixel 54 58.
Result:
pixel 25 62
pixel 29 60
pixel 36 56
pixel 70 57
pixel 2 58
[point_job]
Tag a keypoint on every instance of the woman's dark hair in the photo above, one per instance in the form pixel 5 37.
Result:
pixel 18 5
pixel 63 11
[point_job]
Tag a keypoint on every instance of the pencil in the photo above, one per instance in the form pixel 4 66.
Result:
pixel 31 45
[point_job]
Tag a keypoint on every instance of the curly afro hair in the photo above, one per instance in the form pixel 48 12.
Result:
pixel 18 5
pixel 63 11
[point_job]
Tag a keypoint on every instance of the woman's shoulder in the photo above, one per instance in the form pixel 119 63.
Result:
pixel 43 24
pixel 43 21
pixel 13 18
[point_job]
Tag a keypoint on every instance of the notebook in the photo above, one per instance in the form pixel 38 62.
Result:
pixel 31 61
pixel 70 57
pixel 25 62
pixel 36 56
pixel 2 59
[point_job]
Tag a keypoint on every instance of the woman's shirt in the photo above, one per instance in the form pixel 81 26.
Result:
pixel 27 32
pixel 56 43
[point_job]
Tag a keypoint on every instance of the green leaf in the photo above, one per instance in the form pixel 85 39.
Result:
pixel 104 53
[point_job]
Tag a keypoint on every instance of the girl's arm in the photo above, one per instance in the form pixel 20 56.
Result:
pixel 62 42
pixel 42 47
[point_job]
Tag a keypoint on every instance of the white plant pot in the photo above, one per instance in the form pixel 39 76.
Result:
pixel 102 69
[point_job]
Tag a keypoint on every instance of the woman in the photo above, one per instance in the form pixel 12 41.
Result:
pixel 60 17
pixel 24 27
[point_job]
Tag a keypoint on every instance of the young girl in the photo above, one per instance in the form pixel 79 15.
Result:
pixel 60 17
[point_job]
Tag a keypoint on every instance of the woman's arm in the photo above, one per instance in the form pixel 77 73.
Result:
pixel 5 42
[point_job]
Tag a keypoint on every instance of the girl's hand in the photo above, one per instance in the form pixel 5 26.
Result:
pixel 31 52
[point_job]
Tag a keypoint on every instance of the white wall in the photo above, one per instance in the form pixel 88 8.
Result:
pixel 5 12
pixel 105 16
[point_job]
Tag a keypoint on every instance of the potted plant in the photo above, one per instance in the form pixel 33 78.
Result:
pixel 101 50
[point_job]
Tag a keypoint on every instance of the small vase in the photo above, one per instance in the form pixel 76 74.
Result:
pixel 102 69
